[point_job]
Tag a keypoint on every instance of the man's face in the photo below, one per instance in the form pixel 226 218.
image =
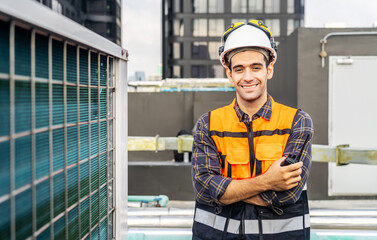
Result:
pixel 249 75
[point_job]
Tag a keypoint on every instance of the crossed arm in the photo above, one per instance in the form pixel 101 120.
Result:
pixel 279 185
pixel 277 178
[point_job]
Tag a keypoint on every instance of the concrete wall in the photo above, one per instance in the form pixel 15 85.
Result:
pixel 166 114
pixel 284 82
pixel 161 178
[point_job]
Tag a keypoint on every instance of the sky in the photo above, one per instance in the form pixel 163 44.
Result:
pixel 141 26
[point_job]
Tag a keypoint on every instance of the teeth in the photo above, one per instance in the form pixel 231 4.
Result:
pixel 252 86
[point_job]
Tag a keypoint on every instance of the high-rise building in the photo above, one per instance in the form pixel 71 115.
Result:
pixel 100 16
pixel 192 30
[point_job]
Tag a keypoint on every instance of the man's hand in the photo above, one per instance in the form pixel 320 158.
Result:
pixel 281 178
pixel 277 178
pixel 256 200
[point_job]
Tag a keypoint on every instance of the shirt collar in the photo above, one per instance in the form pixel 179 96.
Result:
pixel 264 111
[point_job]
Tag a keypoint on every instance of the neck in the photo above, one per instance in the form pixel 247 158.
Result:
pixel 252 107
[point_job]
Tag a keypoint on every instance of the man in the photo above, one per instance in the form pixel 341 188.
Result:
pixel 243 187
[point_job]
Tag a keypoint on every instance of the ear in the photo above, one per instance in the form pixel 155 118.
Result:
pixel 270 70
pixel 229 75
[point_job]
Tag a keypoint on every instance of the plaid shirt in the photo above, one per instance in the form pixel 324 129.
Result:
pixel 210 184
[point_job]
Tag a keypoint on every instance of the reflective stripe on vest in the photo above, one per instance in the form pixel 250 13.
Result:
pixel 273 226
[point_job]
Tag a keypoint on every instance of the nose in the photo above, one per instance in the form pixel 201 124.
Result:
pixel 248 75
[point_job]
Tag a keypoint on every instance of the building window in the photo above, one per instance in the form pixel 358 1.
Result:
pixel 272 6
pixel 215 6
pixel 216 27
pixel 199 50
pixel 56 6
pixel 199 28
pixel 213 50
pixel 216 71
pixel 177 6
pixel 274 26
pixel 198 71
pixel 290 26
pixel 177 50
pixel 234 20
pixel 199 6
pixel 178 27
pixel 255 6
pixel 290 6
pixel 299 23
pixel 239 6
pixel 177 71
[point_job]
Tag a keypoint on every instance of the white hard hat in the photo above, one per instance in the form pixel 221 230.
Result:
pixel 241 35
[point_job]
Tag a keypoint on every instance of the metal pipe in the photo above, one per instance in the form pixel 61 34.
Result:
pixel 323 41
pixel 358 219
pixel 161 200
pixel 341 154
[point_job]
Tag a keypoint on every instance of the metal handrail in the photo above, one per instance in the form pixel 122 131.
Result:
pixel 341 154
pixel 182 83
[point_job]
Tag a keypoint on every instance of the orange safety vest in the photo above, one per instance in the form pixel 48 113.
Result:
pixel 245 148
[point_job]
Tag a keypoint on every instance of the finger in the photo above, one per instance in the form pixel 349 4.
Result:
pixel 293 185
pixel 297 172
pixel 294 175
pixel 295 166
pixel 296 179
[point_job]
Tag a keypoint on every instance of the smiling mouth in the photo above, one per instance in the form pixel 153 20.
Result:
pixel 249 86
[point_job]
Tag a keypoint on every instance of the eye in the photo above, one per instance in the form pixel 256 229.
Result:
pixel 238 70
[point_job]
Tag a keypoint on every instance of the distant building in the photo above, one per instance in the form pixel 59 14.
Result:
pixel 139 76
pixel 192 30
pixel 100 16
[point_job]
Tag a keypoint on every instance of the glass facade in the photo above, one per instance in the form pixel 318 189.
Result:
pixel 239 6
pixel 177 6
pixel 199 27
pixel 290 26
pixel 217 71
pixel 56 138
pixel 215 27
pixel 178 27
pixel 177 72
pixel 199 71
pixel 290 6
pixel 199 6
pixel 199 50
pixel 234 20
pixel 207 6
pixel 255 6
pixel 272 6
pixel 177 50
pixel 213 50
pixel 215 6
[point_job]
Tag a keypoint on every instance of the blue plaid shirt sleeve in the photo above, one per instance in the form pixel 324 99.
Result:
pixel 208 182
pixel 302 126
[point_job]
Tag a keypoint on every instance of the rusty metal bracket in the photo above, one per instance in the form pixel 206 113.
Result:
pixel 338 155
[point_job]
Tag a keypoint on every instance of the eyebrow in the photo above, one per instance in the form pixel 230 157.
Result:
pixel 251 65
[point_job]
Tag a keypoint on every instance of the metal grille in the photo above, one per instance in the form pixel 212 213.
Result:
pixel 56 141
